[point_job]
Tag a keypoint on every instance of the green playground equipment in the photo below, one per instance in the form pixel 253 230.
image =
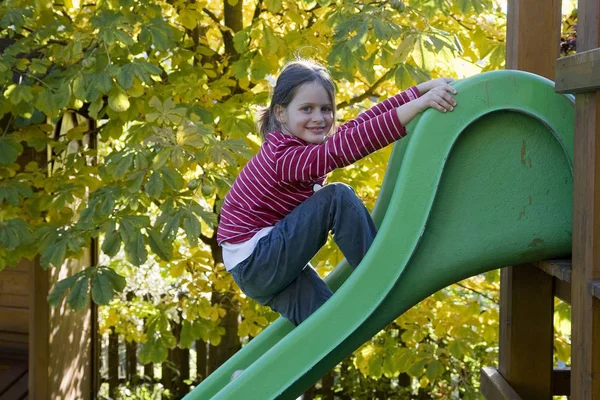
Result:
pixel 485 186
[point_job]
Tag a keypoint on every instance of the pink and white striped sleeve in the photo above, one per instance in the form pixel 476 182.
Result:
pixel 394 102
pixel 297 161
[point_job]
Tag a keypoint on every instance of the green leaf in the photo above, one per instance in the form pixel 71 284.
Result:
pixel 54 255
pixel 117 281
pixel 111 243
pixel 123 165
pixel 273 6
pixel 21 93
pixel 191 226
pixel 154 186
pixel 416 370
pixel 186 337
pixel 161 33
pixel 158 246
pixel 135 249
pixel 104 82
pixel 153 352
pixel 124 37
pixel 172 178
pixel 9 150
pixel 435 369
pixel 171 227
pixel 126 76
pixel 79 295
pixel 13 233
pixel 60 288
pixel 135 180
pixel 102 289
pixel 45 103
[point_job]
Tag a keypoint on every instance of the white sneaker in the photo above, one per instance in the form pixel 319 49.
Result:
pixel 236 374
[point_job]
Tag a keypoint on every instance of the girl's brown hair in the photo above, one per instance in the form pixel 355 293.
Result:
pixel 292 76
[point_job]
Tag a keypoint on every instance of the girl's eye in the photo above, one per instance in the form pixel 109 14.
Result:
pixel 326 109
pixel 307 108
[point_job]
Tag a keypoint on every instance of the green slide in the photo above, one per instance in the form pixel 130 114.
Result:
pixel 485 186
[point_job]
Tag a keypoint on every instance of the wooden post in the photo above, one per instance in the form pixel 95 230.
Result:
pixel 533 35
pixel 585 349
pixel 526 331
pixel 113 364
pixel 526 294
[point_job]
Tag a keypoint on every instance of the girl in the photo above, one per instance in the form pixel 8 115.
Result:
pixel 278 215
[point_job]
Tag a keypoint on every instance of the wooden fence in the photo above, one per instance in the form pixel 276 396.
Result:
pixel 119 365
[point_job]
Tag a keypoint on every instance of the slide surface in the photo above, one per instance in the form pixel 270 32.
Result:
pixel 485 186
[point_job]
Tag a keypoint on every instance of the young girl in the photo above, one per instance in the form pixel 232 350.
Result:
pixel 278 215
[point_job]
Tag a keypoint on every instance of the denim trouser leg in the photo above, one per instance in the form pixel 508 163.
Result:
pixel 278 273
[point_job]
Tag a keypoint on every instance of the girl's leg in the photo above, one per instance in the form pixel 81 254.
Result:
pixel 277 273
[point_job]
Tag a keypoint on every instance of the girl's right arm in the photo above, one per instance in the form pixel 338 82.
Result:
pixel 396 101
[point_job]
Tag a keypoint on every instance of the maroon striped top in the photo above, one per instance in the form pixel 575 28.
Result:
pixel 283 173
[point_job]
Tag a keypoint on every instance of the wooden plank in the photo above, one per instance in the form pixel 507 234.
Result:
pixel 533 37
pixel 594 289
pixel 13 341
pixel 12 375
pixel 14 282
pixel 18 391
pixel 526 330
pixel 560 269
pixel 495 387
pixel 14 300
pixel 14 320
pixel 113 364
pixel 130 360
pixel 578 73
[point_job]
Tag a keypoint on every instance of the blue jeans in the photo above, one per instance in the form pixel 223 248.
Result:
pixel 278 274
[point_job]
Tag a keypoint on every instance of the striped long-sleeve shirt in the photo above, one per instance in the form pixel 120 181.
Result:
pixel 282 175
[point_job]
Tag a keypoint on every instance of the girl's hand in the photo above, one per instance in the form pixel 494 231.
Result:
pixel 439 97
pixel 432 84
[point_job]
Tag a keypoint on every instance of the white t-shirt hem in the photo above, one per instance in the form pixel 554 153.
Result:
pixel 233 254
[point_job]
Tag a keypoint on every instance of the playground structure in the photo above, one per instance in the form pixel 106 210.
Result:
pixel 51 353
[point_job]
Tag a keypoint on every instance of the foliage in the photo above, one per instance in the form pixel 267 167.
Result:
pixel 125 122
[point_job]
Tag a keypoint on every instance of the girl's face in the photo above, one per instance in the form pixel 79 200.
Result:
pixel 309 116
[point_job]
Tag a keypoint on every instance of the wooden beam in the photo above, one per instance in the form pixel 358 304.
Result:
pixel 578 73
pixel 561 382
pixel 533 36
pixel 562 290
pixel 495 387
pixel 560 269
pixel 39 323
pixel 526 331
pixel 585 317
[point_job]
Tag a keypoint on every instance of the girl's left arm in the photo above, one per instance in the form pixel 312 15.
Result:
pixel 394 102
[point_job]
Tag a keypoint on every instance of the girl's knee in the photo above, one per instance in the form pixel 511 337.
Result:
pixel 341 189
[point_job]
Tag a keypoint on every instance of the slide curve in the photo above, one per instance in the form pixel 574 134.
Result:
pixel 485 186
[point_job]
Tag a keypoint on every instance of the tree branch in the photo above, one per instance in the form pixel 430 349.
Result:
pixel 257 10
pixel 367 93
pixel 478 293
pixel 212 16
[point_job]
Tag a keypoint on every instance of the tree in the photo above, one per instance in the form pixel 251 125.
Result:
pixel 161 97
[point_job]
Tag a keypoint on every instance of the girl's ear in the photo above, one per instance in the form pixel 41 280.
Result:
pixel 280 114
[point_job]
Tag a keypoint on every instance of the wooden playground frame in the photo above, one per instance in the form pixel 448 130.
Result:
pixel 36 342
pixel 526 368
